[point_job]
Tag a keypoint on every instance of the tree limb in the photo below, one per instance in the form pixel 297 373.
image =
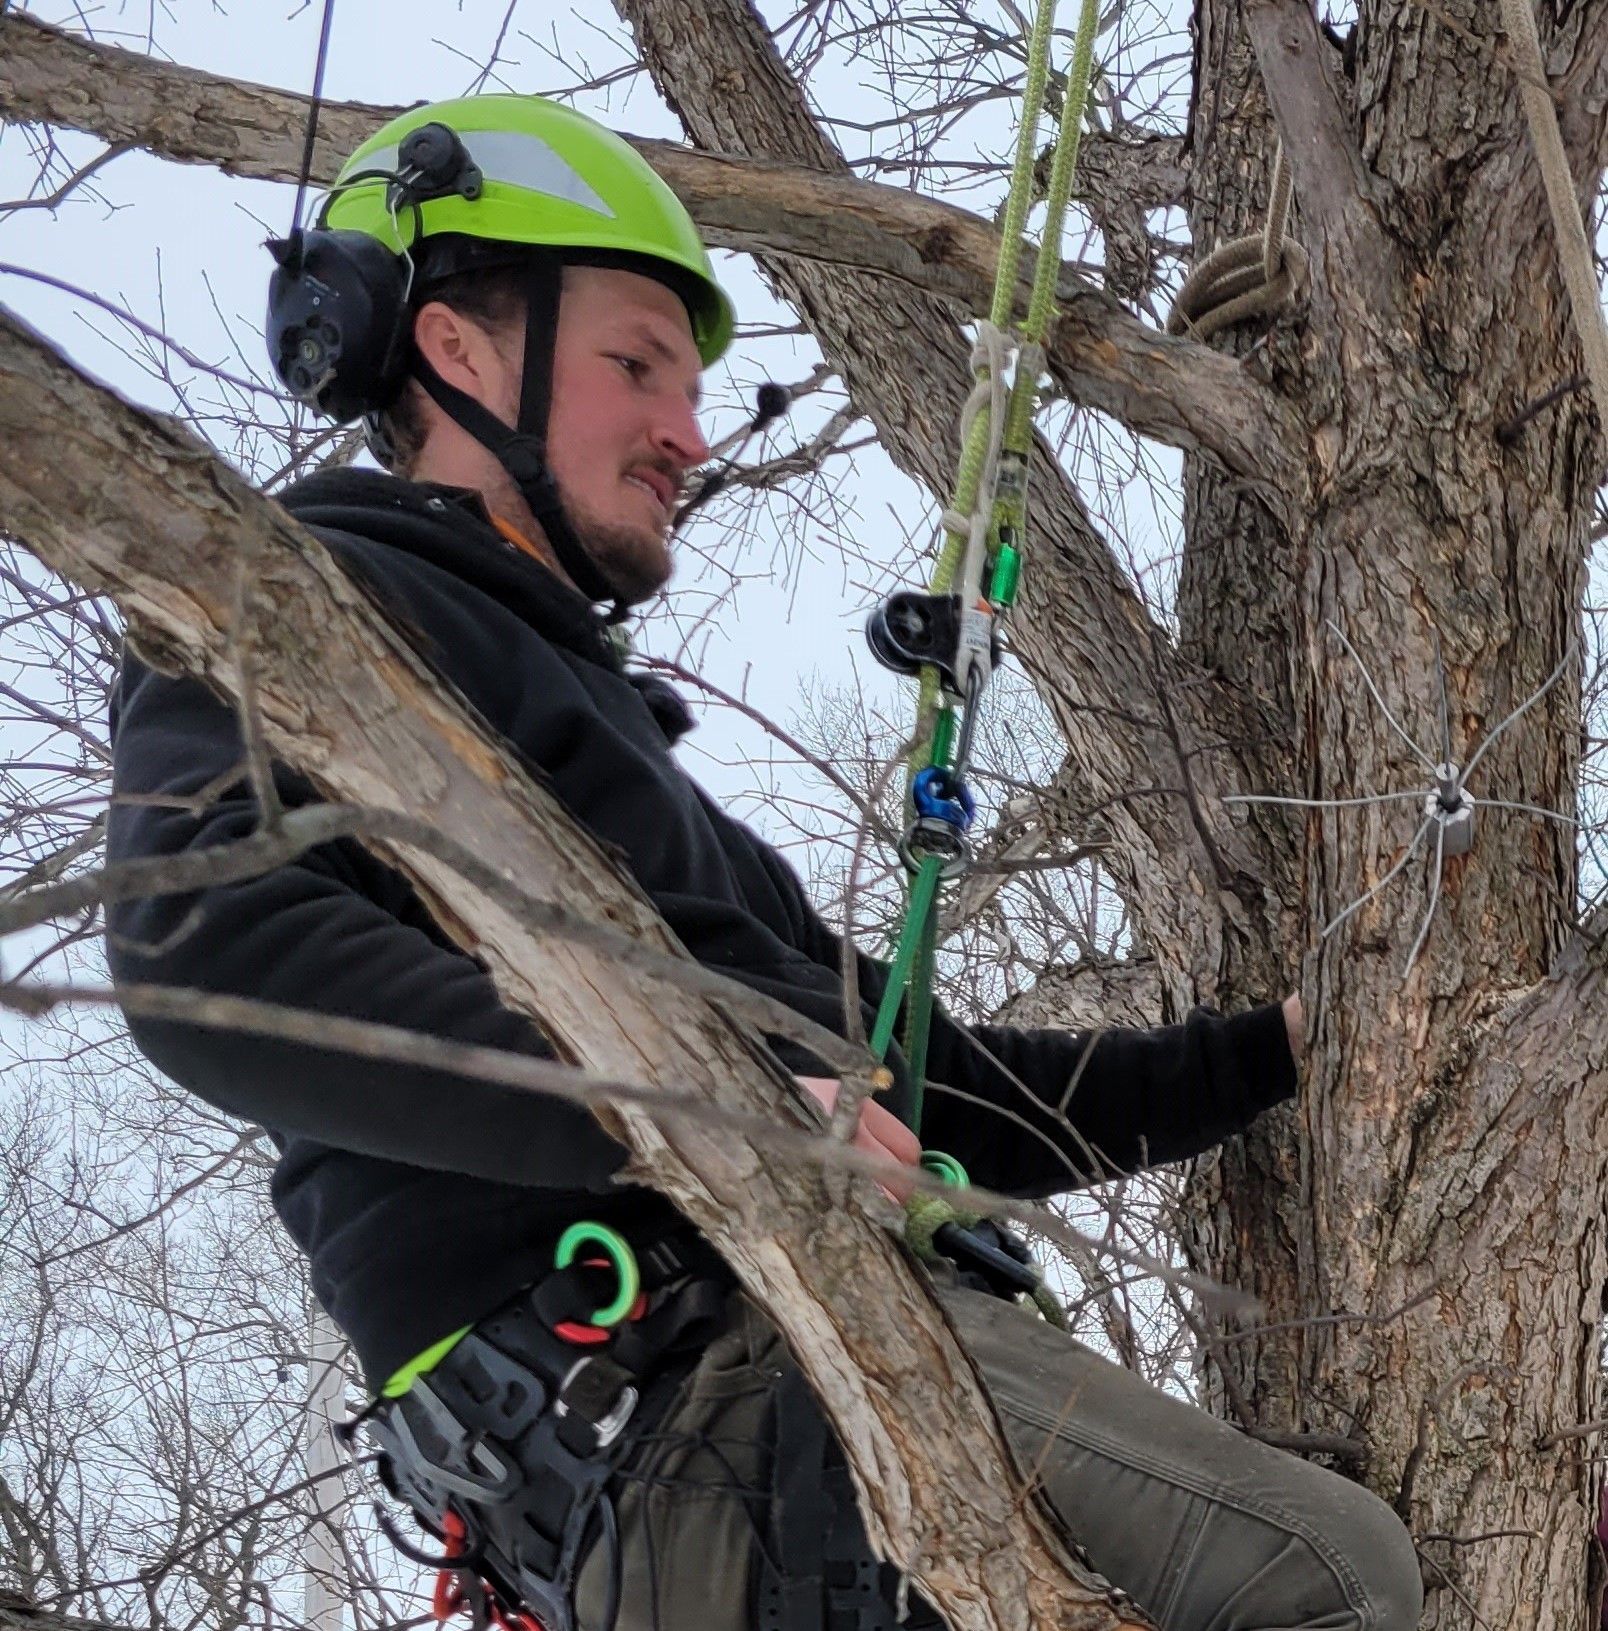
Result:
pixel 1088 994
pixel 1331 183
pixel 1178 392
pixel 17 1613
pixel 130 506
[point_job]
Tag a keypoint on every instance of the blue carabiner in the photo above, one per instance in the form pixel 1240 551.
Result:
pixel 939 796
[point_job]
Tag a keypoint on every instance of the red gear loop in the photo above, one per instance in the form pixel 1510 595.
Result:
pixel 450 1598
pixel 588 1336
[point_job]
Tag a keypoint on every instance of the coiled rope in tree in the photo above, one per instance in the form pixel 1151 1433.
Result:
pixel 1253 276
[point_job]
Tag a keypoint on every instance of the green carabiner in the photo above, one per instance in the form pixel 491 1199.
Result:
pixel 945 1167
pixel 619 1253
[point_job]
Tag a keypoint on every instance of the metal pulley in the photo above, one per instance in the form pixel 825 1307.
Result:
pixel 911 630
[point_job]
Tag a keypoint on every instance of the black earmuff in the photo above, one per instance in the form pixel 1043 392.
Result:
pixel 337 327
pixel 337 321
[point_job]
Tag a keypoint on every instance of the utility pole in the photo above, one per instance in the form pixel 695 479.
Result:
pixel 322 1564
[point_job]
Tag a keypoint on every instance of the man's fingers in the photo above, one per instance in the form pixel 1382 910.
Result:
pixel 880 1132
pixel 891 1185
pixel 891 1133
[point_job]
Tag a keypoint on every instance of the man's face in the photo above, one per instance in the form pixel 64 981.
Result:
pixel 624 427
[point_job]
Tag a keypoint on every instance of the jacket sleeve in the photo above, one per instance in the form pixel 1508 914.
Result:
pixel 335 932
pixel 1081 1106
pixel 1037 1112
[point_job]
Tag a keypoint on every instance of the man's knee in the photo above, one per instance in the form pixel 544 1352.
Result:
pixel 1382 1556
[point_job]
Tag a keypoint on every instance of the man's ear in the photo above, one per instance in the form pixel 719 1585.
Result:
pixel 459 350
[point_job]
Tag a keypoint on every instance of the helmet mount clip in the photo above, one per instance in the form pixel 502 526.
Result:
pixel 434 163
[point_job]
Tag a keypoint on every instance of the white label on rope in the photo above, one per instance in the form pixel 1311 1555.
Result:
pixel 975 648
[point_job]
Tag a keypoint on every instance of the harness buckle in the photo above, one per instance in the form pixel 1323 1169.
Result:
pixel 594 1391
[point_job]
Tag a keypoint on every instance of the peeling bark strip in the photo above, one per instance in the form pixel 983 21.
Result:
pixel 129 506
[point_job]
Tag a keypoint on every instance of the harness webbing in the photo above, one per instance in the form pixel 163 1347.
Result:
pixel 984 528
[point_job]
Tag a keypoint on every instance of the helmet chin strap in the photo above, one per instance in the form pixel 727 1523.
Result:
pixel 522 451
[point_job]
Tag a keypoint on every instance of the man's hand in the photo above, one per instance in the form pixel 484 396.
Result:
pixel 1295 1026
pixel 880 1132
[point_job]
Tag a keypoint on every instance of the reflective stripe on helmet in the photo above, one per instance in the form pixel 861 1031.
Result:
pixel 518 159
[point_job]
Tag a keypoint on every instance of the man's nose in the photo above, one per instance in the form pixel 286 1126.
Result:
pixel 678 434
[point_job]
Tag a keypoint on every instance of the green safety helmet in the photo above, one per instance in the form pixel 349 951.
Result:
pixel 481 182
pixel 550 178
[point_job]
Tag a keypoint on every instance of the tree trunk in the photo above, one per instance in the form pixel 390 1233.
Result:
pixel 1413 528
pixel 1443 1181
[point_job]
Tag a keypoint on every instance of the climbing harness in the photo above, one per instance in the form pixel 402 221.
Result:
pixel 949 636
pixel 508 1438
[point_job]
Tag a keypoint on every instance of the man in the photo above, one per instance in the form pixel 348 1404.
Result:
pixel 523 311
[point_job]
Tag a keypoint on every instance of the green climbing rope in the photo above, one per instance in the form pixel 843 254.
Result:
pixel 989 505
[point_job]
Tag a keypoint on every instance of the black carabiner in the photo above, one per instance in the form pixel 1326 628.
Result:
pixel 994 1253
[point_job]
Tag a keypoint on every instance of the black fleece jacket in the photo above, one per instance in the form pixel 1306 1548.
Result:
pixel 423 1199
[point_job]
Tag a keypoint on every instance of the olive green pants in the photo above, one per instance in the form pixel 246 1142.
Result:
pixel 1206 1529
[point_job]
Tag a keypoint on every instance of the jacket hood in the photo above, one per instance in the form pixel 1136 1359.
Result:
pixel 449 528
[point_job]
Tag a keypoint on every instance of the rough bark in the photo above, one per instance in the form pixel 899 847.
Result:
pixel 18 1614
pixel 1238 581
pixel 1087 995
pixel 127 506
pixel 1450 1138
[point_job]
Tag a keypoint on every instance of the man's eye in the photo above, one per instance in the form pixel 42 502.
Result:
pixel 634 366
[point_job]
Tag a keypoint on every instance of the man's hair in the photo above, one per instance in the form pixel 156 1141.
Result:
pixel 493 296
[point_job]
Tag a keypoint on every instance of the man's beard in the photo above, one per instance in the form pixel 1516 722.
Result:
pixel 636 569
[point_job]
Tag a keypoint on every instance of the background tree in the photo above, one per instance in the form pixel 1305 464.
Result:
pixel 1390 500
